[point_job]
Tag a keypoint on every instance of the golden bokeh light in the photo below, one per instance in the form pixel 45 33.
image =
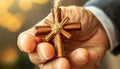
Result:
pixel 9 55
pixel 15 22
pixel 5 5
pixel 20 16
pixel 4 17
pixel 25 5
pixel 11 22
pixel 41 1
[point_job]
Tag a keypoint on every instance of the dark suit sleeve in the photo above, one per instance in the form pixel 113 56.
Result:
pixel 112 9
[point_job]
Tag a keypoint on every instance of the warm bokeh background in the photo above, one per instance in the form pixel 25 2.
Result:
pixel 17 16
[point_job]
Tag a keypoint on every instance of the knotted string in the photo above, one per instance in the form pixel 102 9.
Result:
pixel 57 3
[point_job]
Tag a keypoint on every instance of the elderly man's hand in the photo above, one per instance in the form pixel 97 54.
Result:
pixel 85 50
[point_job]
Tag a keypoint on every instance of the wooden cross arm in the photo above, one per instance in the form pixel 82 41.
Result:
pixel 72 26
pixel 43 30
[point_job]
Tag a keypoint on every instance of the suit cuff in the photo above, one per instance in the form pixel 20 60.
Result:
pixel 107 24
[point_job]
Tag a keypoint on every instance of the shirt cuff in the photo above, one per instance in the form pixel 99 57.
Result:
pixel 107 24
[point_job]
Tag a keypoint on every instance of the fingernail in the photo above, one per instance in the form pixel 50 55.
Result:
pixel 26 44
pixel 61 63
pixel 58 64
pixel 46 51
pixel 43 55
pixel 19 45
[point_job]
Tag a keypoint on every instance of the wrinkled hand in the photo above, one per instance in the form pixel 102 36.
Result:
pixel 85 50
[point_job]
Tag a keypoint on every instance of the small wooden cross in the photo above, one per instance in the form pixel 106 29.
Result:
pixel 56 28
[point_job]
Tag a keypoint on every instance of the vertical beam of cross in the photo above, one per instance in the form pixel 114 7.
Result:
pixel 57 28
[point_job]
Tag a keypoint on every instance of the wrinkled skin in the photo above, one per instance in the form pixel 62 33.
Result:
pixel 85 50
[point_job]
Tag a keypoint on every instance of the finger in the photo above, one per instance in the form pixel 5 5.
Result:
pixel 97 54
pixel 34 58
pixel 60 63
pixel 79 57
pixel 44 52
pixel 27 41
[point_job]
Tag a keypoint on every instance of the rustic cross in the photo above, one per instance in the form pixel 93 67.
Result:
pixel 56 28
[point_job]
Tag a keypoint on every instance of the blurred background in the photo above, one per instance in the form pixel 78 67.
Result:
pixel 19 15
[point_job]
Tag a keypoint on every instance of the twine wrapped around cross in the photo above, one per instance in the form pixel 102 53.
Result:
pixel 56 28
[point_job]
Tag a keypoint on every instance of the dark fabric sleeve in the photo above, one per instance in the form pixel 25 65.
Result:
pixel 112 9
